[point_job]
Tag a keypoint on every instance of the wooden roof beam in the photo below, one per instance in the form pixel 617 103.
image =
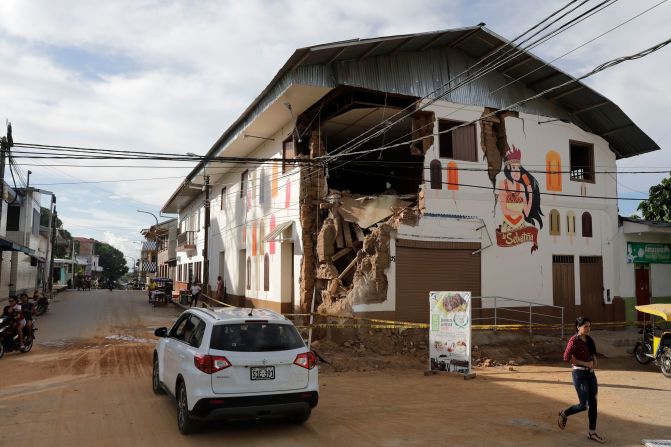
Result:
pixel 336 55
pixel 566 93
pixel 592 107
pixel 401 46
pixel 616 130
pixel 517 64
pixel 436 38
pixel 370 50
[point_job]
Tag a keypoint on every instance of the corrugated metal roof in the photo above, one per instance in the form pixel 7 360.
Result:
pixel 418 64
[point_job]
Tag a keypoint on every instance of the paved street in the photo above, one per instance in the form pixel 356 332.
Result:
pixel 88 383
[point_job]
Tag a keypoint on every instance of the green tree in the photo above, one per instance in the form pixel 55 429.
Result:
pixel 658 205
pixel 111 260
pixel 62 249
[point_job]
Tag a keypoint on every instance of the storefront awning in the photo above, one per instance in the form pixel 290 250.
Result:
pixel 7 245
pixel 277 232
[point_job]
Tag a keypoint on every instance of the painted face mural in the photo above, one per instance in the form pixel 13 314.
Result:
pixel 520 201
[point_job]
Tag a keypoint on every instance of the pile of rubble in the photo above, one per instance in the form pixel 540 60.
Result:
pixel 353 248
pixel 366 350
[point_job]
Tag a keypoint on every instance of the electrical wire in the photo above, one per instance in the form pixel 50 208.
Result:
pixel 493 188
pixel 544 65
pixel 597 69
pixel 489 68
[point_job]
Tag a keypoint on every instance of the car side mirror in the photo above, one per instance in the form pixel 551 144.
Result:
pixel 161 332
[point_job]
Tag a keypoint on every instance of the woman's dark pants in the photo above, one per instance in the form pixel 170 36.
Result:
pixel 587 389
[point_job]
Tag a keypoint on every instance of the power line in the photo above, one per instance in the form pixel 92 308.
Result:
pixel 598 69
pixel 547 63
pixel 108 181
pixel 493 188
pixel 496 64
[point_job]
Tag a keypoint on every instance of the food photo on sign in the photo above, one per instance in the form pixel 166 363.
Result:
pixel 450 332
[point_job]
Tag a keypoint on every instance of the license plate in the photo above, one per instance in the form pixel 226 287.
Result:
pixel 262 373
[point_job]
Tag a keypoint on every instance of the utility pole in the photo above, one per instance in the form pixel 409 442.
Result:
pixel 46 276
pixel 53 246
pixel 206 259
pixel 5 144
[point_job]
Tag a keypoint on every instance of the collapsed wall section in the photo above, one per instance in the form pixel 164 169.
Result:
pixel 493 139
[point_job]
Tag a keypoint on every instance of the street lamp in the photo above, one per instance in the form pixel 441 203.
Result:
pixel 151 214
pixel 135 268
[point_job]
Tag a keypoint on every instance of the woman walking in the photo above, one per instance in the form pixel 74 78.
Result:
pixel 581 353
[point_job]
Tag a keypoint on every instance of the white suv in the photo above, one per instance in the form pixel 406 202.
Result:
pixel 235 363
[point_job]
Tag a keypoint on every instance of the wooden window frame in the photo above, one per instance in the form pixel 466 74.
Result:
pixel 288 153
pixel 249 272
pixel 570 223
pixel 436 174
pixel 244 178
pixel 555 223
pixel 553 174
pixel 266 273
pixel 223 198
pixel 444 137
pixel 583 174
pixel 587 217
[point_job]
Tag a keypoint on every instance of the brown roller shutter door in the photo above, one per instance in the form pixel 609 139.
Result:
pixel 425 266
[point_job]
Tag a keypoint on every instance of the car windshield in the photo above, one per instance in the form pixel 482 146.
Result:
pixel 255 337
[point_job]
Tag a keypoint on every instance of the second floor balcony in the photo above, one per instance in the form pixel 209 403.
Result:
pixel 186 241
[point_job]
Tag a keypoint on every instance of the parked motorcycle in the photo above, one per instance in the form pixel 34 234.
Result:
pixel 643 350
pixel 42 306
pixel 9 338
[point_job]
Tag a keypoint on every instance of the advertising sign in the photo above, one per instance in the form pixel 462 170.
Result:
pixel 644 253
pixel 450 332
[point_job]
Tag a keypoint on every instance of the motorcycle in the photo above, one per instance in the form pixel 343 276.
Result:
pixel 656 343
pixel 9 338
pixel 42 306
pixel 643 348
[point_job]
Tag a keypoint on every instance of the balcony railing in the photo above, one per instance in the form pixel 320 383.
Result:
pixel 186 241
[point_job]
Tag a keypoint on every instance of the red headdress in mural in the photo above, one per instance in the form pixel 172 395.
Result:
pixel 513 155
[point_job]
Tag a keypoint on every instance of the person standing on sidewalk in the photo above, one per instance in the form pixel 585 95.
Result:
pixel 220 289
pixel 195 292
pixel 581 353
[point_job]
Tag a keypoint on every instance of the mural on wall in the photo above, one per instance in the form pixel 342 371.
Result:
pixel 520 200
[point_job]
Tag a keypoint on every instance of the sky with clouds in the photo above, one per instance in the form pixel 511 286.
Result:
pixel 171 76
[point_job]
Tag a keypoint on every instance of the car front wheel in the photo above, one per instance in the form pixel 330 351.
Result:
pixel 185 424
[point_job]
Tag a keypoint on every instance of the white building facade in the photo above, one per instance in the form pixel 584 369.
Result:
pixel 348 180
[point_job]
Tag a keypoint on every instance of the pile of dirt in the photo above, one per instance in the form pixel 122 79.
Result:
pixel 375 349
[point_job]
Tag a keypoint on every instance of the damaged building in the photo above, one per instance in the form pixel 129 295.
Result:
pixel 382 170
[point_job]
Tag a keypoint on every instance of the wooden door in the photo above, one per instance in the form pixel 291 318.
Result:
pixel 563 285
pixel 642 287
pixel 591 288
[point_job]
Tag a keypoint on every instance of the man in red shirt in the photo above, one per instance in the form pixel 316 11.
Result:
pixel 581 353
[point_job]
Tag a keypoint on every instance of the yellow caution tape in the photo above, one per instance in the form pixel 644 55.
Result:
pixel 360 326
pixel 394 324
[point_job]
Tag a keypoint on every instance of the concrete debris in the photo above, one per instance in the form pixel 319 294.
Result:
pixel 367 211
pixel 370 280
pixel 325 241
pixel 327 271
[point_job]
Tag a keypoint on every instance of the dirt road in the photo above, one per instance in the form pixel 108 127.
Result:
pixel 97 392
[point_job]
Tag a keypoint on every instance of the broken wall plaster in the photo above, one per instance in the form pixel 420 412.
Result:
pixel 422 132
pixel 494 140
pixel 312 189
